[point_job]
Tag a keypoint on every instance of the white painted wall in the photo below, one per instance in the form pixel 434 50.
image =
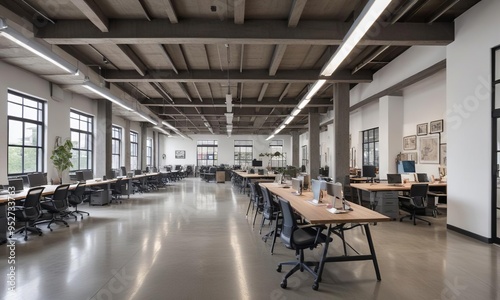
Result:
pixel 469 118
pixel 225 148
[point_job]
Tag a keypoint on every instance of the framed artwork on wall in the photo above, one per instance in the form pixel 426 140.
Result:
pixel 410 142
pixel 442 155
pixel 436 126
pixel 429 149
pixel 180 154
pixel 422 129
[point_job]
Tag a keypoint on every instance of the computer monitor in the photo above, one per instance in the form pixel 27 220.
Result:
pixel 297 186
pixel 124 171
pixel 394 179
pixel 36 179
pixel 422 177
pixel 317 186
pixel 305 180
pixel 406 166
pixel 137 172
pixel 278 178
pixel 256 163
pixel 79 176
pixel 336 191
pixel 88 175
pixel 369 172
pixel 16 184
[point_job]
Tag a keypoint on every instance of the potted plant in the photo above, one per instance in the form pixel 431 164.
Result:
pixel 61 156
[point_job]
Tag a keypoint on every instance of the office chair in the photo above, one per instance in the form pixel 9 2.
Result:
pixel 415 203
pixel 116 190
pixel 56 206
pixel 270 211
pixel 75 198
pixel 29 212
pixel 254 198
pixel 298 238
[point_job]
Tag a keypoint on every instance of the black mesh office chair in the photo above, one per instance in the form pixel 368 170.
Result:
pixel 29 212
pixel 416 203
pixel 298 238
pixel 116 190
pixel 56 206
pixel 270 211
pixel 75 198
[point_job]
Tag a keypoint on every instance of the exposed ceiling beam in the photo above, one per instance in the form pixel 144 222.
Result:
pixel 197 92
pixel 254 102
pixel 168 58
pixel 279 52
pixel 185 91
pixel 147 14
pixel 239 11
pixel 241 57
pixel 92 11
pixel 164 94
pixel 440 12
pixel 256 76
pixel 263 91
pixel 402 84
pixel 285 91
pixel 139 66
pixel 252 32
pixel 296 12
pixel 170 12
pixel 173 113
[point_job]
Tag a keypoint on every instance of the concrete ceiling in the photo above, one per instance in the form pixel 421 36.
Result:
pixel 181 57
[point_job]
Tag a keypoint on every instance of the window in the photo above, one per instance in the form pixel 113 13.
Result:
pixel 26 133
pixel 82 128
pixel 243 152
pixel 370 147
pixel 149 152
pixel 206 153
pixel 277 161
pixel 134 150
pixel 116 147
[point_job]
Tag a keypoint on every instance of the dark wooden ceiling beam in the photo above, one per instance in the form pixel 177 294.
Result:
pixel 255 76
pixel 252 32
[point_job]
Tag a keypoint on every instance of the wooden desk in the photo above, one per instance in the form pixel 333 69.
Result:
pixel 247 177
pixel 336 222
pixel 384 197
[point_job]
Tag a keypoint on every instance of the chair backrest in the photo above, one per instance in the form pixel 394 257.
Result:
pixel 16 183
pixel 77 194
pixel 60 197
pixel 269 205
pixel 32 202
pixel 289 224
pixel 418 192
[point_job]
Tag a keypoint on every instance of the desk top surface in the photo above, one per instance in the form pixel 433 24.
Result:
pixel 318 214
pixel 255 175
pixel 378 187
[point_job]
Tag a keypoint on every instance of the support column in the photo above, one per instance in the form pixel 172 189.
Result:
pixel 313 152
pixel 341 127
pixel 126 139
pixel 144 135
pixel 155 149
pixel 390 133
pixel 295 149
pixel 103 149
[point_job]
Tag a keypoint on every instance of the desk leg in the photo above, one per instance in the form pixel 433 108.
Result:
pixel 323 257
pixel 372 251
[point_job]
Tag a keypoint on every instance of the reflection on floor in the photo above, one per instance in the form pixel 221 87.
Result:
pixel 191 240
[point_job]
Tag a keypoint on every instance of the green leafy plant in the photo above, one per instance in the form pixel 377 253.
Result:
pixel 61 156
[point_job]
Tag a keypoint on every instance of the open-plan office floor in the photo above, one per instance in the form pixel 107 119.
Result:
pixel 192 241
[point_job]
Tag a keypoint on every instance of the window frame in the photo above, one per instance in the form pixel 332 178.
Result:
pixel 134 145
pixel 372 142
pixel 207 148
pixel 243 148
pixel 115 139
pixel 90 141
pixel 40 124
pixel 149 152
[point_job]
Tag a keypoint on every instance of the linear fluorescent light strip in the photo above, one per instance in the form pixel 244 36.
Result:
pixel 363 23
pixel 36 48
pixel 270 137
pixel 289 120
pixel 146 118
pixel 105 94
pixel 314 89
pixel 162 131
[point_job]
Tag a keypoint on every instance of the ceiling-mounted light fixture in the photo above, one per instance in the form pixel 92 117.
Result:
pixel 314 89
pixel 162 131
pixel 105 93
pixel 229 118
pixel 363 23
pixel 289 120
pixel 229 102
pixel 36 48
pixel 147 118
pixel 270 137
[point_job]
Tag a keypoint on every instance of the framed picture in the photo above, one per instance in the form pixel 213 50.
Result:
pixel 442 155
pixel 436 126
pixel 180 154
pixel 422 129
pixel 409 156
pixel 429 149
pixel 410 142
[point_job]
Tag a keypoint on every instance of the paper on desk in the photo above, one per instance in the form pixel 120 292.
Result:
pixel 315 203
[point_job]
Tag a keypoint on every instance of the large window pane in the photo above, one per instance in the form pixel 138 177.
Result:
pixel 15 132
pixel 82 137
pixel 30 160
pixel 15 160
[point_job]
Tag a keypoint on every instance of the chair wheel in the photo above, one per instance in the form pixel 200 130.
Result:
pixel 315 286
pixel 50 229
pixel 283 284
pixel 25 238
pixel 278 269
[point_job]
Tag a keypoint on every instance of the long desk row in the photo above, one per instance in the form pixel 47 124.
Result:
pixel 102 199
pixel 318 214
pixel 243 178
pixel 384 197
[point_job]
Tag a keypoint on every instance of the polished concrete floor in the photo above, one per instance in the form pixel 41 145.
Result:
pixel 191 240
